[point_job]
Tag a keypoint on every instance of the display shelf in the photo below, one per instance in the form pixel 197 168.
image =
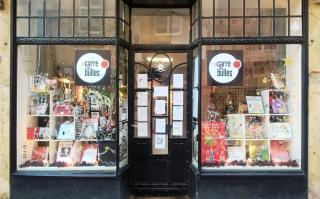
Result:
pixel 74 168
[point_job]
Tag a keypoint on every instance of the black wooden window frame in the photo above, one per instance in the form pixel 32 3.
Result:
pixel 301 40
pixel 18 41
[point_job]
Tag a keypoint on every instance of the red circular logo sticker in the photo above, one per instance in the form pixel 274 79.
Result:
pixel 105 64
pixel 237 64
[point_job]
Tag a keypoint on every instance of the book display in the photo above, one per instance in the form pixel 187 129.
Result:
pixel 256 124
pixel 69 121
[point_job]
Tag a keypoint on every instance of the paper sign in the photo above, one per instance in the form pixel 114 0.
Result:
pixel 142 98
pixel 142 114
pixel 177 113
pixel 160 91
pixel 142 129
pixel 142 80
pixel 160 141
pixel 160 107
pixel 177 98
pixel 160 125
pixel 177 81
pixel 235 153
pixel 177 128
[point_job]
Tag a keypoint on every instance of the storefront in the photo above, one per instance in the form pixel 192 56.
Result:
pixel 202 98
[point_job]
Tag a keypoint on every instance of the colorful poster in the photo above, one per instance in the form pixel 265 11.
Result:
pixel 213 142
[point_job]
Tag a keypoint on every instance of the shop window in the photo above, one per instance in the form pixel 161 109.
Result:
pixel 251 107
pixel 67 108
pixel 251 18
pixel 160 26
pixel 67 18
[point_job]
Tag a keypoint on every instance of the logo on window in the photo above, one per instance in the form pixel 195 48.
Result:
pixel 225 68
pixel 92 68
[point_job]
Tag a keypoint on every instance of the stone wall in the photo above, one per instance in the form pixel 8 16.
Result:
pixel 4 95
pixel 314 96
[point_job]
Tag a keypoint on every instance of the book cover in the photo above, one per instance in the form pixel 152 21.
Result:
pixel 279 130
pixel 279 151
pixel 107 153
pixel 39 154
pixel 213 146
pixel 235 126
pixel 89 128
pixel 255 105
pixel 89 154
pixel 65 153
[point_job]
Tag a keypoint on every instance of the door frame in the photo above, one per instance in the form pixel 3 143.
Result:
pixel 159 190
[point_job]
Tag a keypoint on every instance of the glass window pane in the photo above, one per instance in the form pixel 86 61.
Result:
pixel 266 27
pixel 295 26
pixel 57 135
pixel 23 7
pixel 96 8
pixel 221 28
pixel 36 27
pixel 236 27
pixel 121 9
pixel 51 27
pixel 207 27
pixel 22 27
pixel 295 7
pixel 126 13
pixel 109 27
pixel 81 27
pixel 52 8
pixel 81 7
pixel 96 27
pixel 236 7
pixel 221 8
pixel 37 7
pixel 253 123
pixel 207 8
pixel 281 7
pixel 252 7
pixel 109 8
pixel 266 8
pixel 66 8
pixel 251 27
pixel 281 26
pixel 66 27
pixel 160 26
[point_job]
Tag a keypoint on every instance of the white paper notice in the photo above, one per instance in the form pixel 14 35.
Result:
pixel 177 98
pixel 160 141
pixel 177 113
pixel 142 114
pixel 142 80
pixel 160 107
pixel 142 129
pixel 161 125
pixel 142 98
pixel 160 91
pixel 177 81
pixel 177 128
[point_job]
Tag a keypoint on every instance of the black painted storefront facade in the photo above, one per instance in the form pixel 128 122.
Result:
pixel 197 183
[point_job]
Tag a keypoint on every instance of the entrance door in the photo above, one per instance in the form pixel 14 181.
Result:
pixel 160 149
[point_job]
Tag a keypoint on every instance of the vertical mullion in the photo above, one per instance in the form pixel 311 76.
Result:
pixel 104 19
pixel 214 18
pixel 44 19
pixel 244 19
pixel 259 18
pixel 29 18
pixel 73 17
pixel 59 17
pixel 228 18
pixel 88 18
pixel 273 17
pixel 288 19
